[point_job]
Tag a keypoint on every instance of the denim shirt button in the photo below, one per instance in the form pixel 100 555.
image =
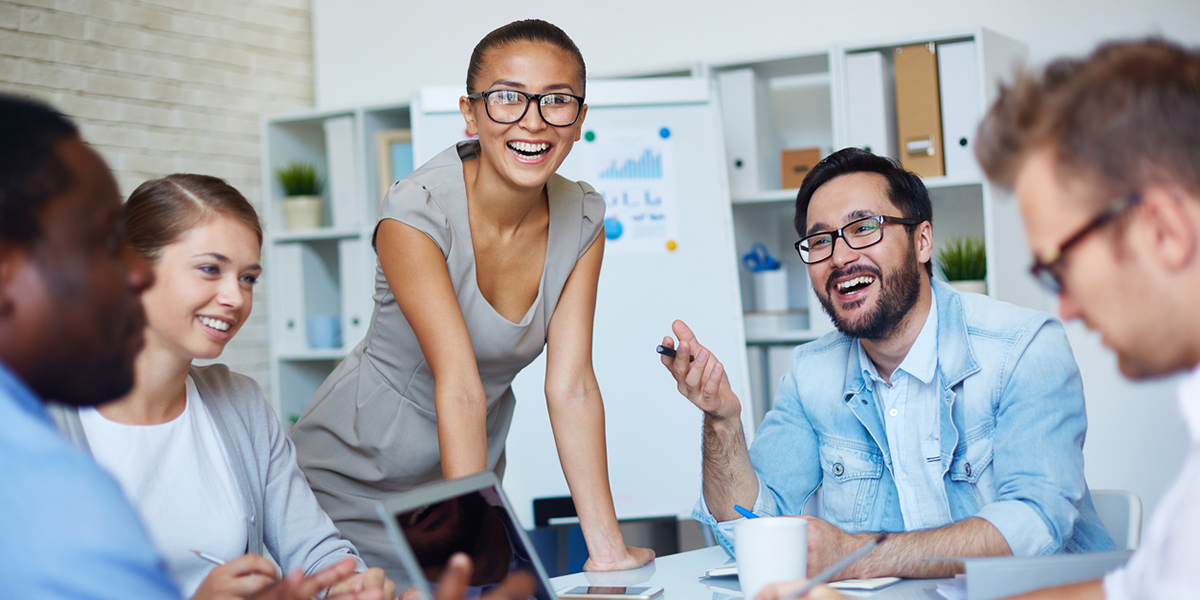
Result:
pixel 838 469
pixel 967 468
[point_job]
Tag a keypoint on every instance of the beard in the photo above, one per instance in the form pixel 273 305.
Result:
pixel 898 294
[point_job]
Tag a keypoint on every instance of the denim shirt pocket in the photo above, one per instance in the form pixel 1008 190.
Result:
pixel 850 484
pixel 970 470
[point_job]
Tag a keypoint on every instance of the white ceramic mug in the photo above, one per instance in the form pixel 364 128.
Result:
pixel 769 550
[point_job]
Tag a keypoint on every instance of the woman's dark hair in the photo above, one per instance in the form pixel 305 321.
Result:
pixel 905 188
pixel 31 172
pixel 160 211
pixel 530 30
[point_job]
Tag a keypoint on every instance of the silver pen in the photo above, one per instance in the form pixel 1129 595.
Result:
pixel 210 558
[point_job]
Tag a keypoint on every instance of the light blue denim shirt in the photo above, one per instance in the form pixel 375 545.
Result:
pixel 909 409
pixel 1012 425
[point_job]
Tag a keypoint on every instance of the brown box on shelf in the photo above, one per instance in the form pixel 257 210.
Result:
pixel 795 164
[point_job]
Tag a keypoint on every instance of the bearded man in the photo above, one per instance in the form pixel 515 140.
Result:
pixel 951 419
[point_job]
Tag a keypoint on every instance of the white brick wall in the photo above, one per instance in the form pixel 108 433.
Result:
pixel 163 86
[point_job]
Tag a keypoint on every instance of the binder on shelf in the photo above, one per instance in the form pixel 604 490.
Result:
pixel 745 108
pixel 289 331
pixel 357 265
pixel 871 99
pixel 341 159
pixel 958 74
pixel 918 110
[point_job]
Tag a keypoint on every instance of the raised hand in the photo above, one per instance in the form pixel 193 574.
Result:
pixel 702 381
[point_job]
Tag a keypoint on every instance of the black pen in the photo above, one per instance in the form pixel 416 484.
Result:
pixel 665 351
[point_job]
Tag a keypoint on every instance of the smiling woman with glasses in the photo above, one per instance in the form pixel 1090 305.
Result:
pixel 487 257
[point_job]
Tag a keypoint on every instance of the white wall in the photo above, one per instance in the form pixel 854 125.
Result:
pixel 369 51
pixel 374 51
pixel 164 86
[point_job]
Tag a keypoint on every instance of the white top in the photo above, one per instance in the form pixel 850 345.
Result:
pixel 1165 565
pixel 909 409
pixel 178 478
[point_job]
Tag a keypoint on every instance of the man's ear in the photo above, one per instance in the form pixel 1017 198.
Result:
pixel 924 241
pixel 12 257
pixel 1170 229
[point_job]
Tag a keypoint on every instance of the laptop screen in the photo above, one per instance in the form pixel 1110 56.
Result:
pixel 469 515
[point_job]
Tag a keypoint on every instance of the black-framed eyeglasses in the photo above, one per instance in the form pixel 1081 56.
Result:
pixel 858 234
pixel 509 106
pixel 1047 269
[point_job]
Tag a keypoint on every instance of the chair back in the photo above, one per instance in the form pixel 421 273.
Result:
pixel 1121 513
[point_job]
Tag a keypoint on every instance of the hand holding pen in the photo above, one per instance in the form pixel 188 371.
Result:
pixel 699 376
pixel 240 577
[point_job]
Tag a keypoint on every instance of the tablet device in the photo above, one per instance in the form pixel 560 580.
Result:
pixel 472 515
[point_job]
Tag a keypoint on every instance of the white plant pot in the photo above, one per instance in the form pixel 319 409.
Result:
pixel 977 286
pixel 302 212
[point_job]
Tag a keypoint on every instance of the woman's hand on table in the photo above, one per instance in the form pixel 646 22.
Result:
pixel 634 557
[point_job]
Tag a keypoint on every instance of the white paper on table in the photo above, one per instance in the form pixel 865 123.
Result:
pixel 873 583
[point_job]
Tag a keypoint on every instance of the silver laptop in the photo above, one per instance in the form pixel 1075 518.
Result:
pixel 471 515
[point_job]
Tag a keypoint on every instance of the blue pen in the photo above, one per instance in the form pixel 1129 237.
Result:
pixel 745 513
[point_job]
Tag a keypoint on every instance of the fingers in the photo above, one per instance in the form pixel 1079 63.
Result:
pixel 453 584
pixel 247 585
pixel 307 587
pixel 247 564
pixel 783 589
pixel 682 331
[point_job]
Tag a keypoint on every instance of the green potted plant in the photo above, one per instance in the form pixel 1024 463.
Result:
pixel 302 194
pixel 964 263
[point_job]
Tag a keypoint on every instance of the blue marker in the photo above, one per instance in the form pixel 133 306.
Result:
pixel 745 513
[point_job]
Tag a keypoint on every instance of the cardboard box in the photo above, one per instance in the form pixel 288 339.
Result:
pixel 795 164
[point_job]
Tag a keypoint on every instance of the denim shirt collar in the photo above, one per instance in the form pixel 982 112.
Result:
pixel 921 360
pixel 955 360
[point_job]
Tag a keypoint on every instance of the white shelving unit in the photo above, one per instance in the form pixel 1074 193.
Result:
pixel 327 272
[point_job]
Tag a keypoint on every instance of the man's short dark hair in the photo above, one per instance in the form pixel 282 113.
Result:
pixel 31 172
pixel 905 188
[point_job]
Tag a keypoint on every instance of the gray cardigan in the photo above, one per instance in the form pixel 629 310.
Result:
pixel 264 468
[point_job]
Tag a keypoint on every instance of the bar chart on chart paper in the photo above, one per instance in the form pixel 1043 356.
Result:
pixel 647 166
pixel 632 169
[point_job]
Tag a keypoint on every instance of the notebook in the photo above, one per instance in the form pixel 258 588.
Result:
pixel 430 523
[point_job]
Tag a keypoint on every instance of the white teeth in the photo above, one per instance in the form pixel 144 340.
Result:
pixel 849 283
pixel 528 148
pixel 215 323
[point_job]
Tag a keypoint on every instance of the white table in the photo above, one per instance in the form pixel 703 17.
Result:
pixel 680 577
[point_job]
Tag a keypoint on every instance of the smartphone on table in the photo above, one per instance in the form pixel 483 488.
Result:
pixel 607 592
